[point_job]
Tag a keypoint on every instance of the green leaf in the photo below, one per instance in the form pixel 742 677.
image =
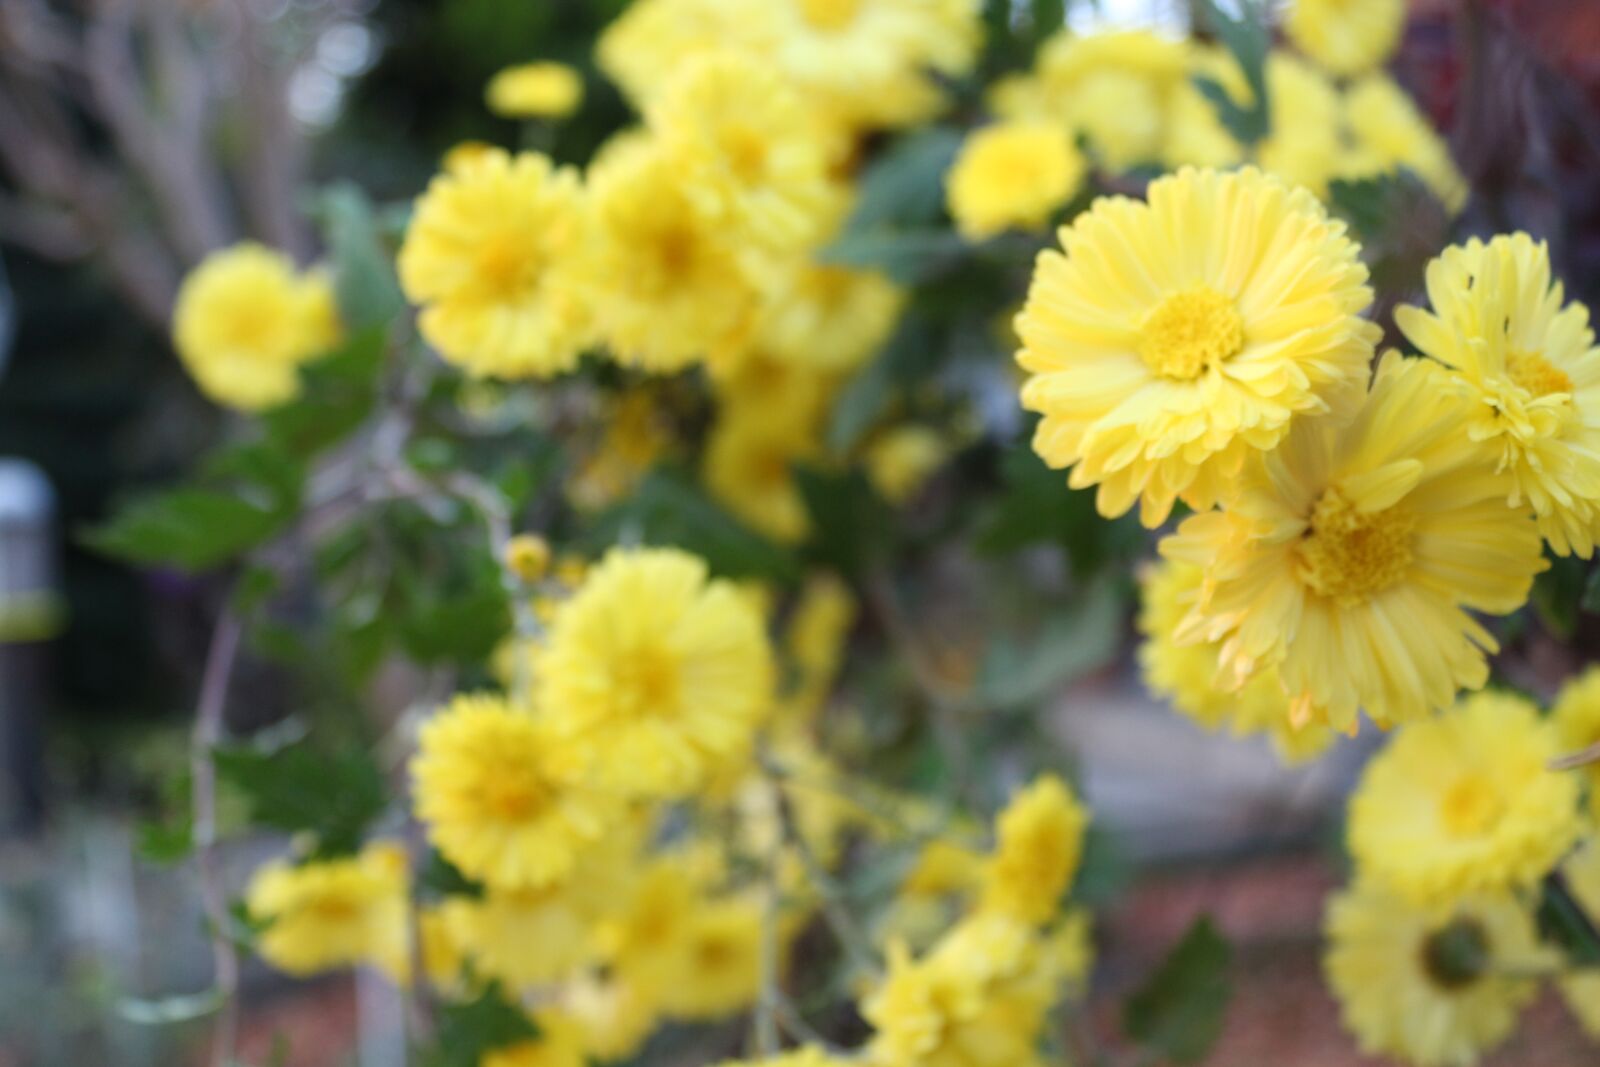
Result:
pixel 459 622
pixel 907 256
pixel 868 395
pixel 1561 593
pixel 191 529
pixel 1073 641
pixel 904 186
pixel 1376 205
pixel 297 789
pixel 166 843
pixel 337 394
pixel 1591 592
pixel 363 266
pixel 1035 506
pixel 850 523
pixel 1179 1012
pixel 1563 920
pixel 1246 38
pixel 443 878
pixel 468 1029
pixel 668 509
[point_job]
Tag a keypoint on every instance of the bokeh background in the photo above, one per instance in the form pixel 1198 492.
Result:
pixel 127 152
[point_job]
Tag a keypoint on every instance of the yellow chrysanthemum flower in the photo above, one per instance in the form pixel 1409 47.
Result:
pixel 523 937
pixel 1465 803
pixel 485 256
pixel 658 674
pixel 749 469
pixel 978 998
pixel 1012 175
pixel 334 913
pixel 720 961
pixel 668 287
pixel 1576 718
pixel 1172 338
pixel 945 867
pixel 560 1044
pixel 643 48
pixel 1346 36
pixel 900 461
pixel 1581 988
pixel 1304 144
pixel 830 319
pixel 1040 840
pixel 616 1015
pixel 1529 366
pixel 500 798
pixel 535 90
pixel 1384 130
pixel 245 322
pixel 1186 674
pixel 745 145
pixel 1348 557
pixel 1428 985
pixel 1116 88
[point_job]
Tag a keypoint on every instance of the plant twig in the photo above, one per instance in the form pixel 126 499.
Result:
pixel 1581 758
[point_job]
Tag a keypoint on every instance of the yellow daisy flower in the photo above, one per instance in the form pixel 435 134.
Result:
pixel 1435 987
pixel 500 798
pixel 1529 366
pixel 656 672
pixel 1346 36
pixel 328 914
pixel 1348 556
pixel 1581 988
pixel 1187 673
pixel 485 257
pixel 668 286
pixel 749 156
pixel 1012 175
pixel 245 322
pixel 1172 338
pixel 535 90
pixel 1040 840
pixel 1576 718
pixel 1465 803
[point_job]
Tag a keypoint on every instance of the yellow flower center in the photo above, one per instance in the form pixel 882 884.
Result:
pixel 1471 806
pixel 1349 555
pixel 1536 374
pixel 513 795
pixel 746 150
pixel 1190 331
pixel 336 908
pixel 830 14
pixel 1457 955
pixel 507 266
pixel 646 682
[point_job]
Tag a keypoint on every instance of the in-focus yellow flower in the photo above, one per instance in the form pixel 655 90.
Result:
pixel 245 322
pixel 1427 985
pixel 535 91
pixel 1040 840
pixel 1348 557
pixel 656 672
pixel 334 913
pixel 1116 88
pixel 1012 175
pixel 1581 988
pixel 979 998
pixel 1387 131
pixel 1529 366
pixel 1346 36
pixel 1187 673
pixel 749 156
pixel 1465 803
pixel 560 1044
pixel 1174 338
pixel 669 287
pixel 485 256
pixel 500 797
pixel 1576 718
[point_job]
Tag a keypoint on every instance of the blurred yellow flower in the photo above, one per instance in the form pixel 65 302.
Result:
pixel 1465 803
pixel 326 914
pixel 485 257
pixel 1166 345
pixel 635 434
pixel 535 90
pixel 1580 988
pixel 656 673
pixel 1429 985
pixel 1387 131
pixel 560 1044
pixel 1040 840
pixel 1346 36
pixel 615 1014
pixel 1530 368
pixel 829 318
pixel 524 937
pixel 1012 175
pixel 245 322
pixel 900 461
pixel 1576 718
pixel 720 960
pixel 500 798
pixel 748 467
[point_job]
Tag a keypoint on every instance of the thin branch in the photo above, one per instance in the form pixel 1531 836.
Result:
pixel 1581 758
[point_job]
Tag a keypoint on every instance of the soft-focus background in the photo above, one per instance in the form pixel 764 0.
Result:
pixel 126 153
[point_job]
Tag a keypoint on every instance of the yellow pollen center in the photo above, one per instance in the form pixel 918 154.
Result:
pixel 1536 374
pixel 1349 555
pixel 746 149
pixel 647 683
pixel 1189 332
pixel 507 266
pixel 513 796
pixel 1470 807
pixel 830 14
